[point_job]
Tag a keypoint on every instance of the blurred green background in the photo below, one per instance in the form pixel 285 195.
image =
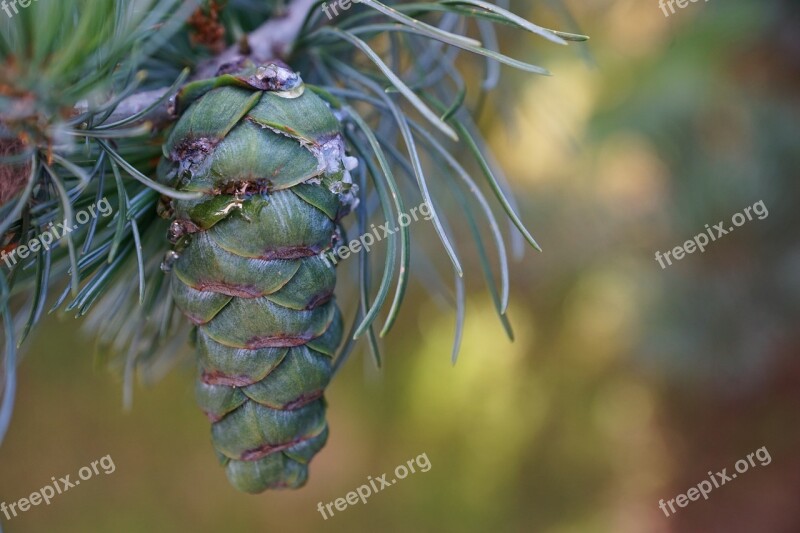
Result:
pixel 626 384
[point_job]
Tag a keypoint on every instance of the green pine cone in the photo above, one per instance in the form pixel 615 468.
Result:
pixel 267 154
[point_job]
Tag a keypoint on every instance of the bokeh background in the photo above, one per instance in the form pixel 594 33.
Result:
pixel 626 384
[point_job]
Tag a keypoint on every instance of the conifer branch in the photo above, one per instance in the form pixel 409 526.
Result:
pixel 87 126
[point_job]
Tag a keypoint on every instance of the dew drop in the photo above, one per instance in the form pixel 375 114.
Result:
pixel 175 232
pixel 170 259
